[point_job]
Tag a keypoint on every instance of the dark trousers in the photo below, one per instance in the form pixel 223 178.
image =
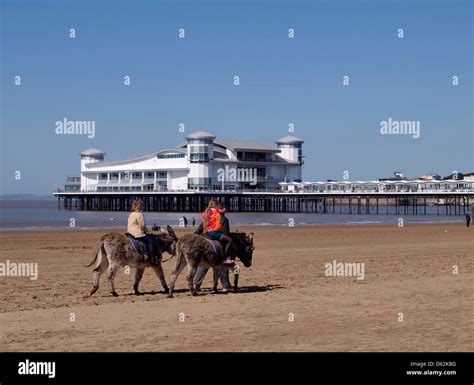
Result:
pixel 201 274
pixel 150 244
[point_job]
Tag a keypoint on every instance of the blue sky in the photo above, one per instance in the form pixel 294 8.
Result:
pixel 282 80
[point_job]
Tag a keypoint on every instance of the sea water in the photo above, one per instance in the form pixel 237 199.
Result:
pixel 44 214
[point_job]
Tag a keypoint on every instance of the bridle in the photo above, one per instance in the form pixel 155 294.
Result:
pixel 165 251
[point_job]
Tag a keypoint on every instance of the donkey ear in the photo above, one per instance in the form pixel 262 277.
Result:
pixel 171 232
pixel 250 237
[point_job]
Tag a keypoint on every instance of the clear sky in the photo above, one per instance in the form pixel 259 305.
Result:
pixel 282 81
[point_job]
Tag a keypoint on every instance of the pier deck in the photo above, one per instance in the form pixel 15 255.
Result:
pixel 414 203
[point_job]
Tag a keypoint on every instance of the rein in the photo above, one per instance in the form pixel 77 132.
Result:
pixel 166 260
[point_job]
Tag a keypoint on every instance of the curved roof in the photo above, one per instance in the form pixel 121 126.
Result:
pixel 138 159
pixel 171 150
pixel 289 139
pixel 92 152
pixel 200 135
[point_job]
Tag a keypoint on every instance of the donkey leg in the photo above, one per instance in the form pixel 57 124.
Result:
pixel 100 268
pixel 95 281
pixel 158 269
pixel 190 277
pixel 110 277
pixel 138 277
pixel 236 282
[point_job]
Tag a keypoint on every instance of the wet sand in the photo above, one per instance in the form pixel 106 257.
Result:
pixel 287 303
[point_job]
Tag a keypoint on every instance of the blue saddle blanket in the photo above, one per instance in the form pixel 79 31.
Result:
pixel 139 247
pixel 217 246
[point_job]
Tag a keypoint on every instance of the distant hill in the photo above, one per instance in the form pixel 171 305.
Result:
pixel 26 197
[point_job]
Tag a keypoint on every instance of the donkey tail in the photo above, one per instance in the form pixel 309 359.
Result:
pixel 181 260
pixel 100 249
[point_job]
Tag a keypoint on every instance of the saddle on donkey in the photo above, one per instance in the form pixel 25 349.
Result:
pixel 216 245
pixel 145 249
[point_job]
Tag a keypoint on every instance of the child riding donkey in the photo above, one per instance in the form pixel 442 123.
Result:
pixel 228 262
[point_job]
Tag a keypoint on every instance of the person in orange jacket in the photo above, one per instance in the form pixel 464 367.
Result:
pixel 213 227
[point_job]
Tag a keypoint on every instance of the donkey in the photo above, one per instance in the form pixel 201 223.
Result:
pixel 116 250
pixel 194 250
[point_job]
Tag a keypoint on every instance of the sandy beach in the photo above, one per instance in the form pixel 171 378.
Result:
pixel 286 303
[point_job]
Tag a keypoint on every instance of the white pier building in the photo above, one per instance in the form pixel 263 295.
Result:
pixel 204 162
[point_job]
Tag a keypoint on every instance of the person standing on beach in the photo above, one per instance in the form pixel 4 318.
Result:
pixel 193 221
pixel 468 220
pixel 185 221
pixel 137 228
pixel 226 229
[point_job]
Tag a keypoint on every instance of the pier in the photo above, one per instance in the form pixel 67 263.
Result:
pixel 395 203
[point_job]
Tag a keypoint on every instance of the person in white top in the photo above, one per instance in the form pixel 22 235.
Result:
pixel 137 228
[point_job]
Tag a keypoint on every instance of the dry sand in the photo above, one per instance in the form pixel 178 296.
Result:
pixel 407 270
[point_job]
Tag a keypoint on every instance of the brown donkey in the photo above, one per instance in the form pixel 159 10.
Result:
pixel 194 250
pixel 116 250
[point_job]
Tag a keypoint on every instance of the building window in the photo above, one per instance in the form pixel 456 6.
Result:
pixel 252 156
pixel 300 156
pixel 170 156
pixel 72 187
pixel 199 153
pixel 199 183
pixel 199 157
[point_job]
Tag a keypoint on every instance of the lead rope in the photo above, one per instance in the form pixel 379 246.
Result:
pixel 166 260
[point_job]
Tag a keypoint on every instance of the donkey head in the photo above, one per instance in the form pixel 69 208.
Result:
pixel 244 247
pixel 166 241
pixel 174 238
